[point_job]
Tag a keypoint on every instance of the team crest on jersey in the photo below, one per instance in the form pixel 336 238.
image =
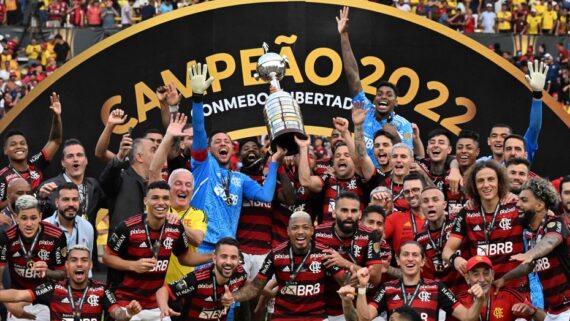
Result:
pixel 168 243
pixel 93 300
pixel 498 313
pixel 34 175
pixel 315 267
pixel 43 254
pixel 424 296
pixel 505 224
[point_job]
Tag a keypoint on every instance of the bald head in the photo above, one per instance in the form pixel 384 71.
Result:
pixel 16 188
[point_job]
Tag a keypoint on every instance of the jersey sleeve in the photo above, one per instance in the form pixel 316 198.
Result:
pixel 389 227
pixel 4 244
pixel 379 300
pixel 3 188
pixel 373 250
pixel 109 300
pixel 459 227
pixel 118 241
pixel 199 221
pixel 40 160
pixel 43 293
pixel 59 253
pixel 447 300
pixel 555 226
pixel 182 243
pixel 185 286
pixel 268 268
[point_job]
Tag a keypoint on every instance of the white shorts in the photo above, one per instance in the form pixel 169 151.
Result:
pixel 148 315
pixel 252 264
pixel 563 316
pixel 41 312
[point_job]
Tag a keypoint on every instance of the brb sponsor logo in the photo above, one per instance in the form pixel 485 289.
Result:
pixel 302 289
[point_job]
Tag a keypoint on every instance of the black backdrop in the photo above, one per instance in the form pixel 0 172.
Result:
pixel 438 72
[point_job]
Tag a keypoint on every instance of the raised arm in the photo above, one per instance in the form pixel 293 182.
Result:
pixel 365 312
pixel 116 117
pixel 169 99
pixel 313 183
pixel 56 132
pixel 471 314
pixel 199 82
pixel 362 159
pixel 536 79
pixel 173 131
pixel 349 62
pixel 249 291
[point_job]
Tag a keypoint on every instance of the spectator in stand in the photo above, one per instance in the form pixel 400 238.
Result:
pixel 562 53
pixel 148 10
pixel 534 23
pixel 562 28
pixel 3 15
pixel 403 6
pixel 552 75
pixel 469 23
pixel 56 12
pixel 457 22
pixel 504 18
pixel 519 24
pixel 62 50
pixel 127 14
pixel 94 14
pixel 488 19
pixel 33 51
pixel 549 20
pixel 76 14
pixel 108 15
pixel 12 12
pixel 165 7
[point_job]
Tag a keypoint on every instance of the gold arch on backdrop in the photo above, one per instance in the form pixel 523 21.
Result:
pixel 212 5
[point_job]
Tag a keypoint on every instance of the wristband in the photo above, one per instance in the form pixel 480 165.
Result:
pixel 197 97
pixel 453 257
pixel 174 109
pixel 361 291
pixel 537 94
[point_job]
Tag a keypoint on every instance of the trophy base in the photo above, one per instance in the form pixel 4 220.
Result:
pixel 286 140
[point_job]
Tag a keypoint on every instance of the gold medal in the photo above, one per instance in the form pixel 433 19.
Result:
pixel 30 264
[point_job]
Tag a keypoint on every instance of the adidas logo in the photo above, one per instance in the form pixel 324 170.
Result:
pixel 65 300
pixel 17 254
pixel 208 299
pixel 143 245
pixel 428 247
pixel 286 269
pixel 396 298
pixel 477 228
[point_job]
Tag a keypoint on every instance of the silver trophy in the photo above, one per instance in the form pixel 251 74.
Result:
pixel 282 113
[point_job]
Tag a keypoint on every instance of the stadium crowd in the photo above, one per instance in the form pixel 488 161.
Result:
pixel 369 225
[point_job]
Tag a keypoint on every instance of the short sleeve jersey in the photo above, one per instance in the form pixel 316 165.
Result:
pixel 497 238
pixel 195 219
pixel 56 297
pixel 130 242
pixel 362 249
pixel 255 225
pixel 34 175
pixel 203 295
pixel 372 125
pixel 431 297
pixel 554 268
pixel 50 247
pixel 304 297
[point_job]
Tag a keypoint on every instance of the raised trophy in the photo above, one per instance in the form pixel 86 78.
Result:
pixel 282 113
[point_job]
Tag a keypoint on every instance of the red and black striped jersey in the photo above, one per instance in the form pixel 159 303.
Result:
pixel 303 297
pixel 362 249
pixel 304 201
pixel 56 297
pixel 203 299
pixel 51 247
pixel 34 175
pixel 430 298
pixel 333 186
pixel 255 225
pixel 501 304
pixel 129 241
pixel 554 268
pixel 435 268
pixel 498 239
